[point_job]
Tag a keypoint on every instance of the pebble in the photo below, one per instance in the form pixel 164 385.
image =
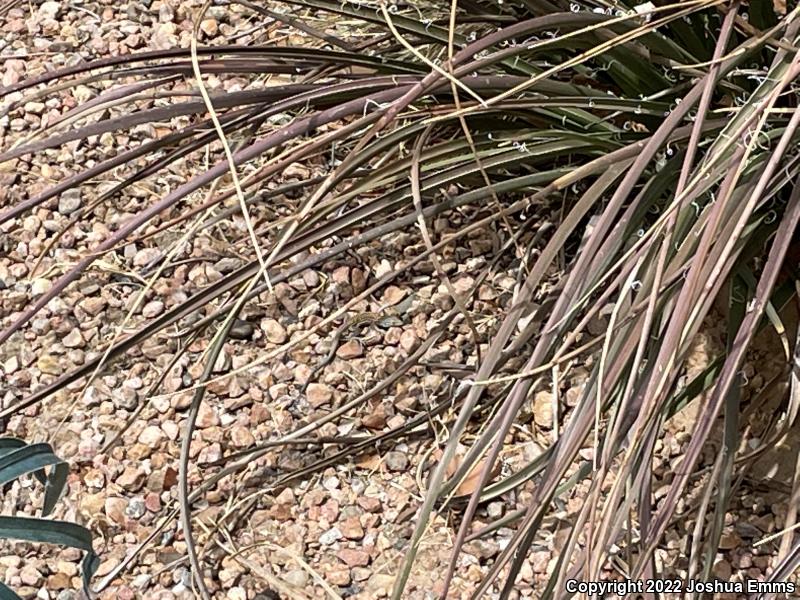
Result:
pixel 351 528
pixel 132 478
pixel 275 332
pixel 350 349
pixel 146 256
pixel 370 504
pixel 396 461
pixel 136 508
pixel 209 27
pixel 340 577
pixel 95 478
pixel 115 509
pixel 151 436
pixel 40 286
pixel 69 201
pixel 165 13
pixel 11 365
pixel 394 294
pixel 50 9
pixel 543 409
pixel 495 510
pixel 152 309
pixel 354 557
pixel 241 436
pixel 729 541
pixel 48 365
pixel 319 394
pixel 207 417
pixel 331 536
pixel 297 578
pixel 409 340
pixel 286 496
pixel 73 339
pixel 241 330
pixel 380 584
pixel 30 576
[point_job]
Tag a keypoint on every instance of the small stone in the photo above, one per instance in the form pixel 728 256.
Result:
pixel 409 340
pixel 242 330
pixel 237 593
pixel 330 536
pixel 393 295
pixel 40 286
pixel 73 339
pixel 92 504
pixel 351 528
pixel 722 569
pixel 151 436
pixel 146 256
pixel 241 437
pixel 136 508
pixel 729 541
pixel 152 502
pixel 396 422
pixel 48 365
pixel 297 578
pixel 170 478
pixel 396 461
pixel 540 561
pixel 132 478
pixel 340 577
pixel 115 509
pixel 495 510
pixel 70 200
pixel 153 309
pixel 280 512
pixel 12 561
pixel 165 13
pixel 93 306
pixel 274 331
pixel 318 394
pixel 94 478
pixel 350 349
pixel 330 510
pixel 171 429
pixel 286 497
pixel 543 409
pixel 11 365
pixel 58 581
pixel 50 9
pixel 370 504
pixel 207 417
pixel 379 584
pixel 209 27
pixel 30 576
pixel 376 419
pixel 383 268
pixel 341 275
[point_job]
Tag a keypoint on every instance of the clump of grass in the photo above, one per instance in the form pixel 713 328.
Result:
pixel 671 127
pixel 18 459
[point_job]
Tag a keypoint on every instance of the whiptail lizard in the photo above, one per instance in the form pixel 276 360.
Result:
pixel 384 320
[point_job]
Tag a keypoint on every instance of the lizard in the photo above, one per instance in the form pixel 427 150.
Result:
pixel 383 320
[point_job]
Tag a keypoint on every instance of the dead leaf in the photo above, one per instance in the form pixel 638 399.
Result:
pixel 470 483
pixel 369 461
pixel 472 479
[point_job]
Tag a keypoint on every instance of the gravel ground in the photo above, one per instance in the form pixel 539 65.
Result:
pixel 339 533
